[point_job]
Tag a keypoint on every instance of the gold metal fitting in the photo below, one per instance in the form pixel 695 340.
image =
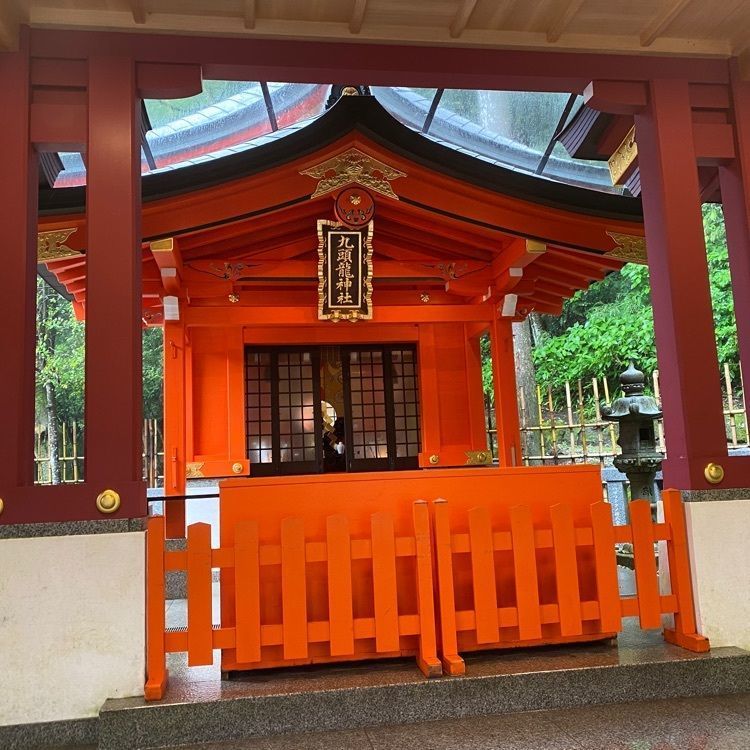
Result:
pixel 237 468
pixel 434 458
pixel 424 297
pixel 108 501
pixel 2 506
pixel 233 297
pixel 714 473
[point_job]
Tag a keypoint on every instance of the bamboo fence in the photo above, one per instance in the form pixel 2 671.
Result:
pixel 566 424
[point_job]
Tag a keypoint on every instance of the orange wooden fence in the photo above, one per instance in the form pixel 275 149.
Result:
pixel 491 594
pixel 266 574
pixel 296 591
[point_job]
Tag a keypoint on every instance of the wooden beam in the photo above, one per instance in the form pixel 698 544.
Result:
pixel 563 18
pixel 11 18
pixel 138 9
pixel 169 261
pixel 462 18
pixel 661 22
pixel 250 14
pixel 308 315
pixel 519 254
pixel 358 16
pixel 616 97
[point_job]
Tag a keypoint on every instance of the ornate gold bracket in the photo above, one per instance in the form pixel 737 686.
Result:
pixel 623 158
pixel 478 458
pixel 51 245
pixel 630 248
pixel 350 167
pixel 194 470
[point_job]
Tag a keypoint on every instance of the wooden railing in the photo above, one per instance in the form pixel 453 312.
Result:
pixel 566 425
pixel 499 573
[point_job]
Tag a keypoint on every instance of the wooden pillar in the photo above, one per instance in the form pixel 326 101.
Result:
pixel 113 301
pixel 506 397
pixel 18 218
pixel 174 426
pixel 734 179
pixel 429 396
pixel 683 320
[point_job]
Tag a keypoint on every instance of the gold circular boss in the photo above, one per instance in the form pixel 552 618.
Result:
pixel 108 501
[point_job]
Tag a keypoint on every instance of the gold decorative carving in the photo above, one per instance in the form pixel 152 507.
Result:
pixel 623 157
pixel 51 245
pixel 353 166
pixel 108 501
pixel 630 248
pixel 478 458
pixel 194 470
pixel 714 473
pixel 434 459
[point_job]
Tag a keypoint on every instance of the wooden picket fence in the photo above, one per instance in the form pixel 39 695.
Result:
pixel 523 619
pixel 540 571
pixel 566 425
pixel 251 641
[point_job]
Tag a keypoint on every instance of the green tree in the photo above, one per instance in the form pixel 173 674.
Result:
pixel 601 328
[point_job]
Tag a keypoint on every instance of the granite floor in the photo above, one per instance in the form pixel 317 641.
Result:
pixel 710 723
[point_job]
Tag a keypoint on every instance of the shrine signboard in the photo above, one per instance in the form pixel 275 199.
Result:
pixel 344 271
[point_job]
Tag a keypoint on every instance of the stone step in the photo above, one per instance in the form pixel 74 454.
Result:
pixel 199 707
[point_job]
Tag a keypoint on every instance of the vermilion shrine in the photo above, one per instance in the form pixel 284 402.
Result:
pixel 407 540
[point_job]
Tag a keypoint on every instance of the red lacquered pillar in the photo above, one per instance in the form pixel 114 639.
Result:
pixel 113 297
pixel 734 179
pixel 506 394
pixel 683 320
pixel 174 426
pixel 18 218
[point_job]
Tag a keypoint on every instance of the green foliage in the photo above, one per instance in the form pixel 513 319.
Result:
pixel 602 328
pixel 60 359
pixel 486 354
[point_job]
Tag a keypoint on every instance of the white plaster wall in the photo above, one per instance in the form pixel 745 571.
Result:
pixel 72 615
pixel 719 539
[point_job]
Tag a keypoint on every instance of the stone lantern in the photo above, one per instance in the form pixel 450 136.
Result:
pixel 635 414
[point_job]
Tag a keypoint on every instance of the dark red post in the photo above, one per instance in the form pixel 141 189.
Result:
pixel 18 218
pixel 113 301
pixel 734 179
pixel 681 299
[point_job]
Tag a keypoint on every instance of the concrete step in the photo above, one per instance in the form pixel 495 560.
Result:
pixel 199 707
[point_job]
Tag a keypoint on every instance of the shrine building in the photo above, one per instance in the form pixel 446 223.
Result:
pixel 326 257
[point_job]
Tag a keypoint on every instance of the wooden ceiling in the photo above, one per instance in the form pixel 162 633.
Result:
pixel 680 27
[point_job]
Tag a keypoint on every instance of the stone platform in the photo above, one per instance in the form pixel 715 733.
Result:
pixel 199 707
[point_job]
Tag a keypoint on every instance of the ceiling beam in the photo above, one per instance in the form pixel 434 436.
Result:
pixel 661 22
pixel 358 16
pixel 250 12
pixel 138 9
pixel 462 18
pixel 566 15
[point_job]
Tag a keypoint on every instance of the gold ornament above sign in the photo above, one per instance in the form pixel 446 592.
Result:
pixel 630 248
pixel 51 245
pixel 350 167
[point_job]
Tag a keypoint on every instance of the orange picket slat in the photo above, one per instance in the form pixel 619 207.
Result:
pixel 384 583
pixel 247 591
pixel 156 667
pixel 608 593
pixel 566 570
pixel 646 577
pixel 452 662
pixel 340 612
pixel 428 661
pixel 199 595
pixel 483 576
pixel 524 564
pixel 293 588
